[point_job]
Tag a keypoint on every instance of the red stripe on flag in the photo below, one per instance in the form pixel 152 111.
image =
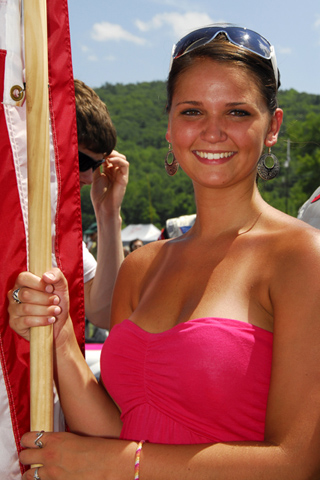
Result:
pixel 68 246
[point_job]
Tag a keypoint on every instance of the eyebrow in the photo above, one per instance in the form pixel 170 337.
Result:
pixel 189 102
pixel 236 104
pixel 196 103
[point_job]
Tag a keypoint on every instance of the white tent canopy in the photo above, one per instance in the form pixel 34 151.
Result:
pixel 145 232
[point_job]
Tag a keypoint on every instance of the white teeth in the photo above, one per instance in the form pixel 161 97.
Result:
pixel 214 156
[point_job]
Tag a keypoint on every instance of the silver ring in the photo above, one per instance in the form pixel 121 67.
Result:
pixel 15 295
pixel 36 476
pixel 37 441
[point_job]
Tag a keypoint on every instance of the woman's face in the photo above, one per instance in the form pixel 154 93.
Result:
pixel 219 123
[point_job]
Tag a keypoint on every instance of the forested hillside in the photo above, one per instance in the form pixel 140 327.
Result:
pixel 138 113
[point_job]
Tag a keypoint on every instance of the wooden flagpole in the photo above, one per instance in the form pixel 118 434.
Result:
pixel 38 155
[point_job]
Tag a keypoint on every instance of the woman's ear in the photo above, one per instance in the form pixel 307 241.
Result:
pixel 168 136
pixel 274 128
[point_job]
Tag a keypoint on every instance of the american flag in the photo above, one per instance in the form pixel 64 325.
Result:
pixel 65 205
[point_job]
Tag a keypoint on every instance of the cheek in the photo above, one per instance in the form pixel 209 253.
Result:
pixel 86 177
pixel 253 139
pixel 183 135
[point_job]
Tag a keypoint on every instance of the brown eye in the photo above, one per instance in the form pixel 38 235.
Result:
pixel 240 113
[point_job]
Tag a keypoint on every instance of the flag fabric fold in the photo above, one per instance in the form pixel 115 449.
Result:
pixel 65 205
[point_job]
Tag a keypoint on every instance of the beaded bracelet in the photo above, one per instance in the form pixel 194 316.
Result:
pixel 137 460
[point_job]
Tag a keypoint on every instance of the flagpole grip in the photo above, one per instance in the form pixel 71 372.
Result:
pixel 39 203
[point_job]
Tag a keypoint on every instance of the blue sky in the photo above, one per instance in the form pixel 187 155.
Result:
pixel 130 41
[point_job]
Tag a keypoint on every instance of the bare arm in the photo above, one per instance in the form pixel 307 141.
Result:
pixel 107 193
pixel 87 407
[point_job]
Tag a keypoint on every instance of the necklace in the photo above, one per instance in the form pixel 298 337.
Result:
pixel 251 227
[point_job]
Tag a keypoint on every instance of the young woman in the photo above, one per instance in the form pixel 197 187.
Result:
pixel 213 356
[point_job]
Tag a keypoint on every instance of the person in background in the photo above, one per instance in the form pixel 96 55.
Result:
pixel 310 210
pixel 91 235
pixel 211 367
pixel 177 226
pixel 134 244
pixel 97 140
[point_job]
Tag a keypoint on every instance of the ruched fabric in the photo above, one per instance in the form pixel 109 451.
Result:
pixel 202 381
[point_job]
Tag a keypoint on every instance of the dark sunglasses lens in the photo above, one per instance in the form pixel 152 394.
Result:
pixel 97 165
pixel 86 162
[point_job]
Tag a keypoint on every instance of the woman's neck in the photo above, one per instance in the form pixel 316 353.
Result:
pixel 227 210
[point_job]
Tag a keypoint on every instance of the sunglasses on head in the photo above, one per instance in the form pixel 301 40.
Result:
pixel 240 36
pixel 86 162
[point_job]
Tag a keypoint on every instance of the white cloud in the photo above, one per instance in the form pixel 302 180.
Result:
pixel 105 31
pixel 180 23
pixel 284 50
pixel 93 58
pixel 109 58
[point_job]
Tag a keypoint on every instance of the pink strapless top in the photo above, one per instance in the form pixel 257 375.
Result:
pixel 202 381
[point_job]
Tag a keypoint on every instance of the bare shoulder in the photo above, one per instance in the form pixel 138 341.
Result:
pixel 132 276
pixel 144 256
pixel 298 240
pixel 295 249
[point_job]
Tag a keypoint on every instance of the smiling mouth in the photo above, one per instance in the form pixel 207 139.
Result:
pixel 214 156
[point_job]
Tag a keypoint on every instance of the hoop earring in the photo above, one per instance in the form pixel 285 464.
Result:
pixel 264 171
pixel 171 168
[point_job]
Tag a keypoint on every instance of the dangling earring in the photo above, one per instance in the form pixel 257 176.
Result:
pixel 171 168
pixel 268 172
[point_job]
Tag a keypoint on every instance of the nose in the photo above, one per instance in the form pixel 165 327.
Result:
pixel 86 177
pixel 213 130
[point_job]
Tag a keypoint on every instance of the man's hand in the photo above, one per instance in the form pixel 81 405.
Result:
pixel 109 185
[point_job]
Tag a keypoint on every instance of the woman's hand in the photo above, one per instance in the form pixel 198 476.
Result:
pixel 42 301
pixel 73 457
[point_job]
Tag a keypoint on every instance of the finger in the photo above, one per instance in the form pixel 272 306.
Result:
pixel 32 456
pixel 24 316
pixel 22 325
pixel 27 295
pixel 35 315
pixel 31 453
pixel 56 279
pixel 25 283
pixel 116 163
pixel 31 439
pixel 116 172
pixel 114 154
pixel 34 474
pixel 28 279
